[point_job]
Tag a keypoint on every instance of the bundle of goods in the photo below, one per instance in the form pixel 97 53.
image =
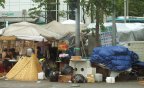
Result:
pixel 66 74
pixel 115 58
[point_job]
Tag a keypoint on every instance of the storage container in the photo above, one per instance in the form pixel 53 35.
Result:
pixel 98 77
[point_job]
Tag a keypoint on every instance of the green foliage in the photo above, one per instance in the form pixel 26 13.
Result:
pixel 135 7
pixel 45 6
pixel 2 3
pixel 102 27
pixel 99 7
pixel 35 13
pixel 62 13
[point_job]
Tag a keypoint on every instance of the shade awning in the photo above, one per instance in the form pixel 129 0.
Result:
pixel 8 38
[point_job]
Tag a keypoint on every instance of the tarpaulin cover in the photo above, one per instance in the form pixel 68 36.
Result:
pixel 115 58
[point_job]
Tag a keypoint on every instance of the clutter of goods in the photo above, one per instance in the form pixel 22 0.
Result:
pixel 115 58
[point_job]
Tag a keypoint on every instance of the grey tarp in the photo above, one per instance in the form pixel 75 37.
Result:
pixel 126 31
pixel 131 36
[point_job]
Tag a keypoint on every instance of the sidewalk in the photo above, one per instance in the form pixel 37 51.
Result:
pixel 47 84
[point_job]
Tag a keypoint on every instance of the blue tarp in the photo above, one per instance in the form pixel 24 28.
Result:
pixel 115 58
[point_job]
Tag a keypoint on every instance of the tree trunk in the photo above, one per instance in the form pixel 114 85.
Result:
pixel 83 14
pixel 92 16
pixel 97 26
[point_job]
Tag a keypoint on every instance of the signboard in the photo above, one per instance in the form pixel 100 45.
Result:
pixel 11 14
pixel 7 14
pixel 106 37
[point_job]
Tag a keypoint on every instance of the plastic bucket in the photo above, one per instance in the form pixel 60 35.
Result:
pixel 98 77
pixel 110 79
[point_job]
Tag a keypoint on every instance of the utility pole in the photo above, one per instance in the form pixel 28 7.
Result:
pixel 125 10
pixel 114 31
pixel 77 32
pixel 24 13
pixel 127 7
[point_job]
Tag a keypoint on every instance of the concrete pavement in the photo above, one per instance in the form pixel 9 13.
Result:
pixel 47 84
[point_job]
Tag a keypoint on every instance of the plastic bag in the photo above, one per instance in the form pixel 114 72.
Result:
pixel 54 76
pixel 47 72
pixel 79 78
pixel 67 70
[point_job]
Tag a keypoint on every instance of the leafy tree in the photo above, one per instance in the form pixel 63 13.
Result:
pixel 101 7
pixel 135 7
pixel 44 6
pixel 96 9
pixel 72 6
pixel 2 3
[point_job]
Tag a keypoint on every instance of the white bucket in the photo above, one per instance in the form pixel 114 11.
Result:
pixel 41 75
pixel 98 77
pixel 110 79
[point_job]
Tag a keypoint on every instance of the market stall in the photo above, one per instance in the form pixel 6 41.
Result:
pixel 22 36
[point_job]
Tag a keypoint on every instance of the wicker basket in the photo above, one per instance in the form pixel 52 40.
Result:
pixel 26 69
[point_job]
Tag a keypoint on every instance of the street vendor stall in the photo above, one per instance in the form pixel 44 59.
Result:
pixel 25 31
pixel 22 36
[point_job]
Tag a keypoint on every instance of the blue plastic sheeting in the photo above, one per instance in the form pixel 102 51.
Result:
pixel 140 64
pixel 115 58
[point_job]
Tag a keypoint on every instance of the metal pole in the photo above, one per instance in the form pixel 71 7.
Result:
pixel 127 7
pixel 125 10
pixel 77 37
pixel 114 31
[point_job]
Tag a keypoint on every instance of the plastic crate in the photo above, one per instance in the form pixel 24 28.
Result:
pixel 137 47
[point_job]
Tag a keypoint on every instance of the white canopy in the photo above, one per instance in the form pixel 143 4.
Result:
pixel 127 27
pixel 127 31
pixel 35 38
pixel 122 27
pixel 70 22
pixel 61 29
pixel 27 30
pixel 1 31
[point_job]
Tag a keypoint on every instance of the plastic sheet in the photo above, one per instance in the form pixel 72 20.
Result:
pixel 115 58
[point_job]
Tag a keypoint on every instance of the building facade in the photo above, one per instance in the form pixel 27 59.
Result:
pixel 17 10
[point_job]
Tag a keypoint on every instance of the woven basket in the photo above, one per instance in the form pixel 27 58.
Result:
pixel 26 69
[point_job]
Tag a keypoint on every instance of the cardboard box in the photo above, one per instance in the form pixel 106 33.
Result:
pixel 90 78
pixel 75 57
pixel 90 75
pixel 65 78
